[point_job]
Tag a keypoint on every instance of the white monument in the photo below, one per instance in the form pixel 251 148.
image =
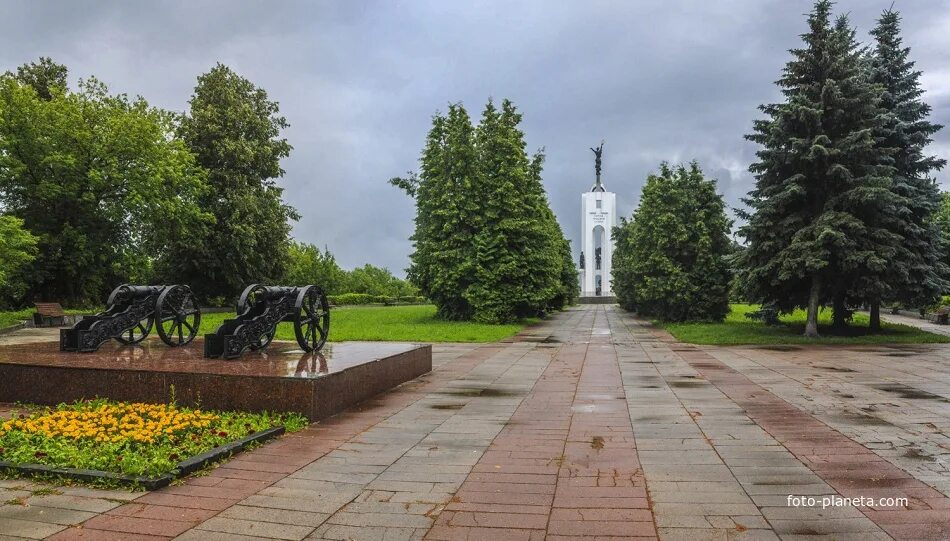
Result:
pixel 598 218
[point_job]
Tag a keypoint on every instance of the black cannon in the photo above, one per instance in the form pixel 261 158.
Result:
pixel 261 308
pixel 131 311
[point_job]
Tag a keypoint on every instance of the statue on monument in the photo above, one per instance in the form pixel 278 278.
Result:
pixel 598 152
pixel 582 260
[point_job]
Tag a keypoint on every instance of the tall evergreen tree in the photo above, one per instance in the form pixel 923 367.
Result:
pixel 517 252
pixel 819 179
pixel 234 130
pixel 570 284
pixel 671 258
pixel 916 274
pixel 447 214
pixel 568 288
pixel 487 245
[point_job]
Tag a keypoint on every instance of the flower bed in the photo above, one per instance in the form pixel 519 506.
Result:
pixel 130 439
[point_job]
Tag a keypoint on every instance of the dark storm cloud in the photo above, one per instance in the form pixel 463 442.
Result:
pixel 359 81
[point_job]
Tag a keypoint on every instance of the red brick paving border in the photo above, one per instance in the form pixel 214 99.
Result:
pixel 847 466
pixel 566 465
pixel 171 511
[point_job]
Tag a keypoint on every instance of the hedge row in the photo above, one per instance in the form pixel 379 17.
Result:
pixel 351 299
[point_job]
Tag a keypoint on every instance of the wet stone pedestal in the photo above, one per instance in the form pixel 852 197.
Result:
pixel 283 378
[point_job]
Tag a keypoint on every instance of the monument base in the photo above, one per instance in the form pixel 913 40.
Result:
pixel 597 299
pixel 280 379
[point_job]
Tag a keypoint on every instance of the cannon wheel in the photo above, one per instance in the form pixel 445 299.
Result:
pixel 178 315
pixel 137 333
pixel 252 295
pixel 312 320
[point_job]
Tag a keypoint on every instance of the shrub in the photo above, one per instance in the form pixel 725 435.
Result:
pixel 355 299
pixel 350 299
pixel 671 258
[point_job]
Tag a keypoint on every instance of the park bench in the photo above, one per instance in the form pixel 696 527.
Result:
pixel 48 314
pixel 941 316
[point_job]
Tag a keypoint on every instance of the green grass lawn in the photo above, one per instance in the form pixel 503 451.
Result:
pixel 738 329
pixel 9 319
pixel 416 323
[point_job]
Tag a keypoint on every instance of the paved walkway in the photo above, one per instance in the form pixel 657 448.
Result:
pixel 592 425
pixel 915 321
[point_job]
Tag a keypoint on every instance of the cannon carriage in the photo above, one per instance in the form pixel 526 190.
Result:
pixel 131 312
pixel 260 309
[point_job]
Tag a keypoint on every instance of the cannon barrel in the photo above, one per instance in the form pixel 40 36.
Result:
pixel 144 291
pixel 278 291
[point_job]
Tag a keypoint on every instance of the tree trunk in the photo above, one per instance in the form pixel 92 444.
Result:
pixel 874 325
pixel 811 324
pixel 838 313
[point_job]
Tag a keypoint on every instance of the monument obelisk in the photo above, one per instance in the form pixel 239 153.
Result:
pixel 598 218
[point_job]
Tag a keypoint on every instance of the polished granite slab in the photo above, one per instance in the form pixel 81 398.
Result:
pixel 280 378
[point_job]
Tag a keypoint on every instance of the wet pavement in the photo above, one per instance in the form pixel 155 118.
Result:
pixel 590 425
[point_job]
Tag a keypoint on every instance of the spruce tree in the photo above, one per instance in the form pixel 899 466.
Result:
pixel 820 177
pixel 671 258
pixel 447 214
pixel 915 275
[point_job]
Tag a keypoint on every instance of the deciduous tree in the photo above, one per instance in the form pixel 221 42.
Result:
pixel 306 264
pixel 99 179
pixel 17 251
pixel 234 130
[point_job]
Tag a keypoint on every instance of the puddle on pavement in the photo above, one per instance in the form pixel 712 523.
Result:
pixel 486 392
pixel 915 348
pixel 807 531
pixel 447 406
pixel 688 384
pixel 856 419
pixel 911 393
pixel 779 348
pixel 835 369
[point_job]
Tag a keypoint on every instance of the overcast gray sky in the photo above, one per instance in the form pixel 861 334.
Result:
pixel 359 81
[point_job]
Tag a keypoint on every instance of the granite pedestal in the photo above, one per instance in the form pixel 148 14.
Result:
pixel 282 378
